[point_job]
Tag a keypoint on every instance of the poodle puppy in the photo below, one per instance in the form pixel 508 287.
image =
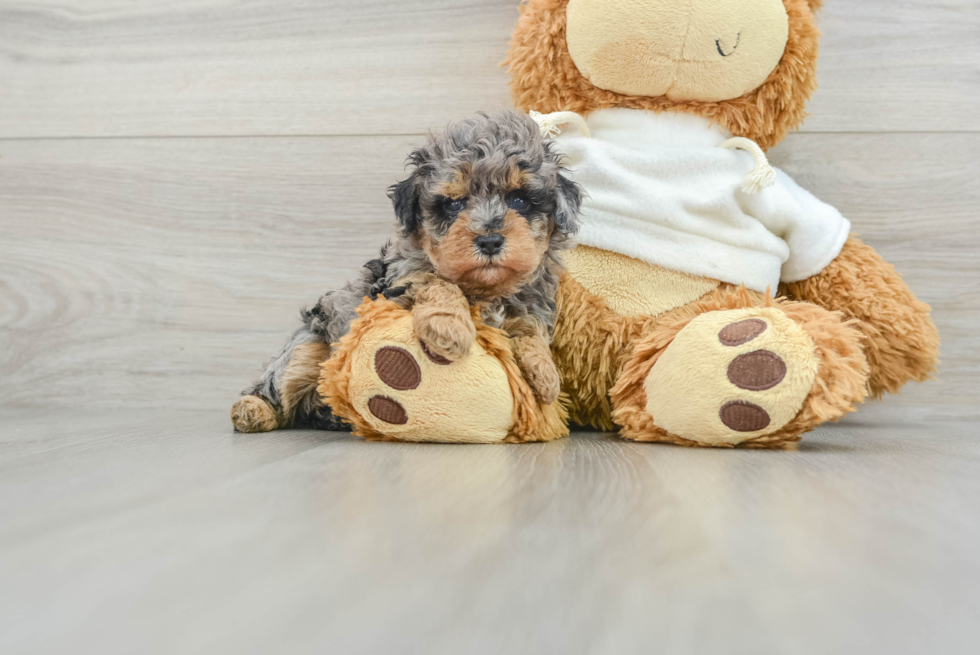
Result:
pixel 479 220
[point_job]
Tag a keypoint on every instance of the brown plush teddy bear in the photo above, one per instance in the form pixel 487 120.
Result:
pixel 667 325
pixel 712 301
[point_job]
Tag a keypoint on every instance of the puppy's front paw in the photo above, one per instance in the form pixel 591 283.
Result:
pixel 446 336
pixel 541 373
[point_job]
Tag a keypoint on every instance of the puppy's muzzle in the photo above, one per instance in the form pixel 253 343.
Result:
pixel 490 244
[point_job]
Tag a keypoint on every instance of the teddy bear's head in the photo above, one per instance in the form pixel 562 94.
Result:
pixel 748 65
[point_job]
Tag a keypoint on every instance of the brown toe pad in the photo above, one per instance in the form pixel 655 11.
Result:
pixel 397 368
pixel 742 416
pixel 757 371
pixel 742 332
pixel 388 410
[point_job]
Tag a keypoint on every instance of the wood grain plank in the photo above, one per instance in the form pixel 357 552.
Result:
pixel 175 535
pixel 206 68
pixel 909 197
pixel 163 272
pixel 155 264
pixel 202 67
pixel 905 65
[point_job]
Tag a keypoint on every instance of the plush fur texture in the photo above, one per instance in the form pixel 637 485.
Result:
pixel 591 345
pixel 544 78
pixel 902 343
pixel 528 420
pixel 869 333
pixel 707 50
pixel 840 383
pixel 606 357
pixel 705 390
pixel 631 287
pixel 480 218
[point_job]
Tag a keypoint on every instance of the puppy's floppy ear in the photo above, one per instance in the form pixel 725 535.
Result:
pixel 568 194
pixel 567 204
pixel 405 197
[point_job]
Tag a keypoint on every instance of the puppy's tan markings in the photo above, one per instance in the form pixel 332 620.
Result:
pixel 456 258
pixel 525 244
pixel 534 359
pixel 516 179
pixel 524 247
pixel 442 320
pixel 530 345
pixel 454 254
pixel 253 414
pixel 301 376
pixel 459 187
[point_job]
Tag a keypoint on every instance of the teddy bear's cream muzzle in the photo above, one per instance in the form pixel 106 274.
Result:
pixel 705 50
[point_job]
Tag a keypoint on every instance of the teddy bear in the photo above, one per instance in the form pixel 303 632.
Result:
pixel 711 301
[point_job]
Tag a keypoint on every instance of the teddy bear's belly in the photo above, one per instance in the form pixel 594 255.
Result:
pixel 631 287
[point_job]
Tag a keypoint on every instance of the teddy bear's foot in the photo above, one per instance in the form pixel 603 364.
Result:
pixel 253 414
pixel 732 376
pixel 758 376
pixel 389 384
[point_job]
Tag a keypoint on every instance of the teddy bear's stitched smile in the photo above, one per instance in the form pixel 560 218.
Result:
pixel 678 49
pixel 738 39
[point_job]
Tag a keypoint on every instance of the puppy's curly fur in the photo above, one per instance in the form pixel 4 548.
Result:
pixel 480 218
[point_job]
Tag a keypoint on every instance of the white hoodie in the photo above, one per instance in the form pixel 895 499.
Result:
pixel 661 190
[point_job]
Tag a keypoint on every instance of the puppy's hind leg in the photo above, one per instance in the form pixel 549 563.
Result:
pixel 254 414
pixel 272 402
pixel 301 402
pixel 286 395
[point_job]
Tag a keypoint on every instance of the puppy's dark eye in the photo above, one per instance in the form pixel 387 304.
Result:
pixel 518 202
pixel 455 205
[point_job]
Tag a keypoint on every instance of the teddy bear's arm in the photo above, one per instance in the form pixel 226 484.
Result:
pixel 902 343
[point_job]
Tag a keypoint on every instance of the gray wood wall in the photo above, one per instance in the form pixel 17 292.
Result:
pixel 177 178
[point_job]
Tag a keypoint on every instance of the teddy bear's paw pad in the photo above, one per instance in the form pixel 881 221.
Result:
pixel 757 371
pixel 744 417
pixel 397 368
pixel 388 410
pixel 732 376
pixel 404 391
pixel 742 331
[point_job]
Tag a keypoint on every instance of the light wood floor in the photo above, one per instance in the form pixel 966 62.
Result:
pixel 143 532
pixel 178 178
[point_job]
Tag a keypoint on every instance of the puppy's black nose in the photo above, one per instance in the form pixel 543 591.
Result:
pixel 490 244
